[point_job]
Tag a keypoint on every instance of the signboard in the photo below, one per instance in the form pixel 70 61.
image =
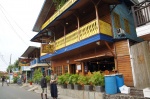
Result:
pixel 78 67
pixel 24 62
pixel 47 48
pixel 26 68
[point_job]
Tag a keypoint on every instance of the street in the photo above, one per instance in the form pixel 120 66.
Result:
pixel 14 91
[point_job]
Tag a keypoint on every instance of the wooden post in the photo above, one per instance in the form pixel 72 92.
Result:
pixel 68 68
pixel 97 18
pixel 63 71
pixel 82 65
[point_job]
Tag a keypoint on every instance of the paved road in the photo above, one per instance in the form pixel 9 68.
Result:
pixel 15 92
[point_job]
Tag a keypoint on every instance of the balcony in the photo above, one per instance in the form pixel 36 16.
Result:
pixel 141 14
pixel 84 32
pixel 37 62
pixel 68 4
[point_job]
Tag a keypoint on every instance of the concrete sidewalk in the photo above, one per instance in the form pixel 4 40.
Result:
pixel 37 88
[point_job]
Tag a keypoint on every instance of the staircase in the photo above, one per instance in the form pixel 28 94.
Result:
pixel 134 94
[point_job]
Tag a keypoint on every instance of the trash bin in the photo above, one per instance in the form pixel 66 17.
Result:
pixel 119 81
pixel 110 84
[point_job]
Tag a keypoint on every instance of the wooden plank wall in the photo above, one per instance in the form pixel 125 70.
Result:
pixel 141 64
pixel 123 61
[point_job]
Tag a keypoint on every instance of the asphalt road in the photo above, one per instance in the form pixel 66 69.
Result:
pixel 15 92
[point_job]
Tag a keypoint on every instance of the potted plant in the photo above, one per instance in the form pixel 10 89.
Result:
pixel 37 76
pixel 62 80
pixel 30 81
pixel 97 80
pixel 69 78
pixel 84 80
pixel 75 78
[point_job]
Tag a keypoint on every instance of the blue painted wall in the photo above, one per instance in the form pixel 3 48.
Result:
pixel 124 13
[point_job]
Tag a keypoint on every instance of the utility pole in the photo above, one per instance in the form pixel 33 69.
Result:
pixel 9 65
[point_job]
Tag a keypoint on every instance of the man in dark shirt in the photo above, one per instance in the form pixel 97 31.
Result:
pixel 3 80
pixel 44 86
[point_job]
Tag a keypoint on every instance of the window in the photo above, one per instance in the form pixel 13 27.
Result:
pixel 117 20
pixel 58 70
pixel 126 25
pixel 65 69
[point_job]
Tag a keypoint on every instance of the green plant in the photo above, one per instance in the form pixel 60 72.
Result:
pixel 97 79
pixel 48 78
pixel 30 80
pixel 62 79
pixel 15 79
pixel 75 78
pixel 59 3
pixel 37 75
pixel 83 80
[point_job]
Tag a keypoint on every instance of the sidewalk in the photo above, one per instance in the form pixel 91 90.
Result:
pixel 37 88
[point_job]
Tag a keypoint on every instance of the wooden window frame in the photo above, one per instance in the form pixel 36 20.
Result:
pixel 126 25
pixel 117 20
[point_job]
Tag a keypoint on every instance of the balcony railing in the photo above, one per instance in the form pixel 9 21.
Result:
pixel 141 13
pixel 37 61
pixel 58 12
pixel 84 32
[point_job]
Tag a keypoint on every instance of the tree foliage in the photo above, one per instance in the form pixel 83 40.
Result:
pixel 59 3
pixel 13 66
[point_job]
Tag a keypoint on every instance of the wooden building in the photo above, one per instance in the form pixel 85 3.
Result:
pixel 87 35
pixel 30 61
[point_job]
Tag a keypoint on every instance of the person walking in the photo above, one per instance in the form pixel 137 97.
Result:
pixel 7 81
pixel 44 86
pixel 53 85
pixel 3 80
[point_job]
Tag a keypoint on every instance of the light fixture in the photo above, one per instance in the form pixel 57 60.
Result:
pixel 67 23
pixel 98 43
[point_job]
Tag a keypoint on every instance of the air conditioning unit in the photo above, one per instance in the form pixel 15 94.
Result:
pixel 120 32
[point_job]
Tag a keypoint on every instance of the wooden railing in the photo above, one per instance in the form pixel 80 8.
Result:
pixel 60 43
pixel 72 38
pixel 84 32
pixel 88 30
pixel 58 12
pixel 141 13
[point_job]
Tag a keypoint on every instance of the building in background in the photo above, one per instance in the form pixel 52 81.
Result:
pixel 30 61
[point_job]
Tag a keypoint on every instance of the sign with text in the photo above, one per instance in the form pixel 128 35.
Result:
pixel 24 62
pixel 47 48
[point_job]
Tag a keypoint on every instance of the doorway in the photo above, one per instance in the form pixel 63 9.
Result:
pixel 72 68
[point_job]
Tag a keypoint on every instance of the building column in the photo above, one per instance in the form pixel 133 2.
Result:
pixel 82 66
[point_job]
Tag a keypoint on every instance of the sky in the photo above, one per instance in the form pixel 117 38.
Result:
pixel 17 19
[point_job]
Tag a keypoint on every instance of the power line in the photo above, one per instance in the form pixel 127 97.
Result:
pixel 15 22
pixel 3 60
pixel 12 26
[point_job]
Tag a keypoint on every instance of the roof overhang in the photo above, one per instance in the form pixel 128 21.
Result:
pixel 47 10
pixel 94 57
pixel 29 50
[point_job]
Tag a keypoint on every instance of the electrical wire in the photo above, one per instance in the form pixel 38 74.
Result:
pixel 12 26
pixel 3 60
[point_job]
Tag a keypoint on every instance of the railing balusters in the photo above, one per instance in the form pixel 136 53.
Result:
pixel 141 13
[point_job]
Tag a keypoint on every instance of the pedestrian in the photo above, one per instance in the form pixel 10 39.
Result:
pixel 53 85
pixel 44 86
pixel 3 80
pixel 24 79
pixel 7 81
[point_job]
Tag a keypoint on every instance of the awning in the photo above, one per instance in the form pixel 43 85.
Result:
pixel 94 57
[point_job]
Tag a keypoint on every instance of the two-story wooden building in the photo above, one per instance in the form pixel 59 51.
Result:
pixel 87 35
pixel 30 61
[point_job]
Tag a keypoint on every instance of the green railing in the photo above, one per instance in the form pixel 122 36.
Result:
pixel 58 12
